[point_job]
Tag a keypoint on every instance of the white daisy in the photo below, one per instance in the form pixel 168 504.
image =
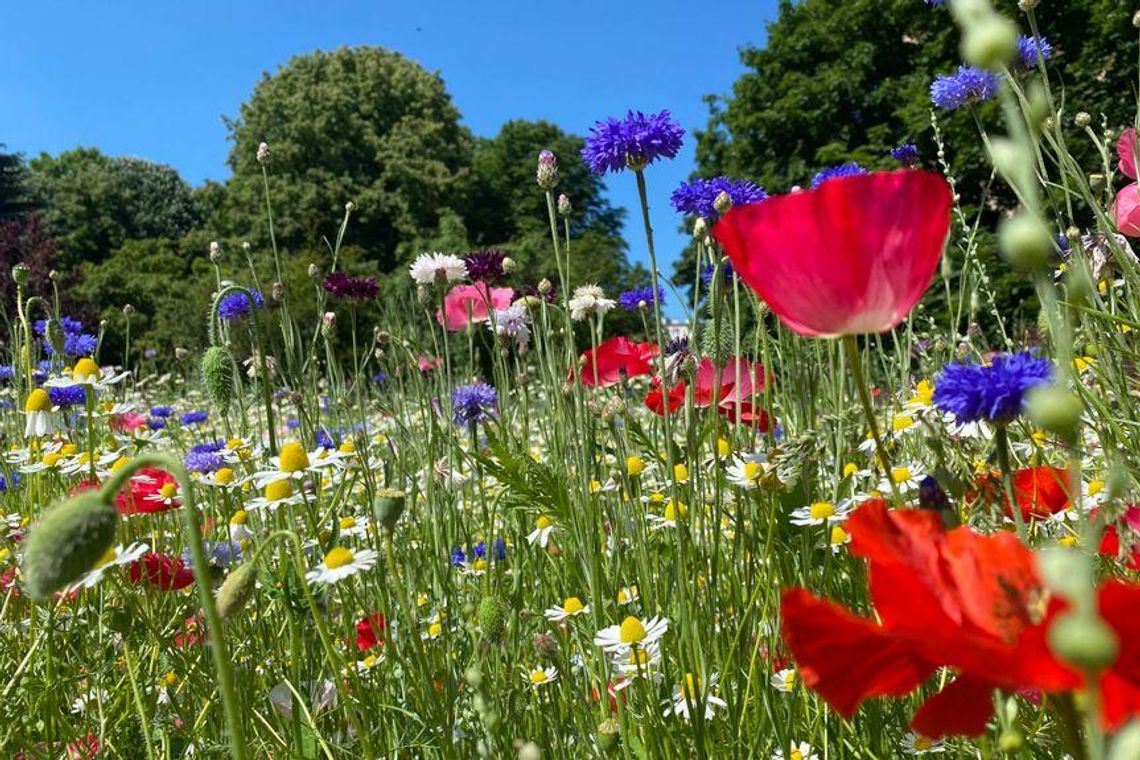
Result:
pixel 341 563
pixel 638 663
pixel 353 526
pixel 627 595
pixel 820 512
pixel 747 472
pixel 674 511
pixel 916 744
pixel 42 418
pixel 292 463
pixel 437 268
pixel 543 527
pixel 539 677
pixel 571 606
pixel 589 300
pixel 116 556
pixel 87 372
pixel 690 693
pixel 906 478
pixel 801 751
pixel 631 632
pixel 784 680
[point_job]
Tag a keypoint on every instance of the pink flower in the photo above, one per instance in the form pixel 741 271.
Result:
pixel 471 303
pixel 127 422
pixel 1126 151
pixel 1125 211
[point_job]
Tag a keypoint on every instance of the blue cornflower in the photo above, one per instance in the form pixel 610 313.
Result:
pixel 205 457
pixel 499 550
pixel 631 300
pixel 635 141
pixel 5 484
pixel 380 377
pixel 7 372
pixel 849 169
pixel 993 392
pixel 194 418
pixel 235 305
pixel 324 440
pixel 1029 49
pixel 292 423
pixel 156 423
pixel 67 395
pixel 161 411
pixel 80 344
pixel 458 558
pixel 473 403
pixel 906 154
pixel 967 85
pixel 70 326
pixel 726 272
pixel 219 555
pixel 698 197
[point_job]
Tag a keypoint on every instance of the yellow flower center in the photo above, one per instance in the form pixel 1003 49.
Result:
pixel 543 522
pixel 838 535
pixel 901 422
pixel 538 676
pixel 680 472
pixel 69 449
pixel 338 556
pixel 821 510
pixel 672 511
pixel 51 459
pixel 170 678
pixel 634 466
pixel 900 474
pixel 723 447
pixel 789 679
pixel 752 470
pixel 347 522
pixel 168 490
pixel 108 555
pixel 1095 487
pixel 572 604
pixel 85 369
pixel 239 517
pixel 632 630
pixel 921 742
pixel 924 393
pixel 796 755
pixel 435 629
pixel 278 490
pixel 38 401
pixel 119 463
pixel 595 486
pixel 1067 541
pixel 479 564
pixel 348 447
pixel 224 476
pixel 850 469
pixel 639 657
pixel 293 457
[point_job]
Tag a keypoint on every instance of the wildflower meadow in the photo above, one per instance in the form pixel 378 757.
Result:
pixel 847 504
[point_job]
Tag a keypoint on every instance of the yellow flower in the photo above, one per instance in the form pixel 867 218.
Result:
pixel 38 401
pixel 634 466
pixel 339 556
pixel 632 630
pixel 680 472
pixel 293 457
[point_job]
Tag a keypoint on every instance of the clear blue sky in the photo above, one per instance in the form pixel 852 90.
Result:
pixel 153 79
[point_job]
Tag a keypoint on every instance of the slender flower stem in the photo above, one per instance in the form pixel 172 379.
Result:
pixel 851 345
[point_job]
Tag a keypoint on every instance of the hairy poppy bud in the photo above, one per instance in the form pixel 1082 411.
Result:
pixel 1055 409
pixel 1026 242
pixel 21 273
pixel 237 589
pixel 493 618
pixel 67 542
pixel 53 333
pixel 388 506
pixel 217 376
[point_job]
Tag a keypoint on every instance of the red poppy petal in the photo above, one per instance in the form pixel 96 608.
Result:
pixel 845 658
pixel 961 709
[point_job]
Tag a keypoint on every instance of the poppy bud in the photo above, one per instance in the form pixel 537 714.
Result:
pixel 21 273
pixel 388 506
pixel 1025 242
pixel 609 734
pixel 493 618
pixel 67 542
pixel 1084 640
pixel 237 589
pixel 1055 409
pixel 53 332
pixel 217 376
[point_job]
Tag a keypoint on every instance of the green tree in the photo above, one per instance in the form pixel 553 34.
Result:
pixel 360 124
pixel 15 199
pixel 94 203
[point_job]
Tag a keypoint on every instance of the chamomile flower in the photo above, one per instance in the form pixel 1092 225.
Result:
pixel 239 526
pixel 837 538
pixel 916 744
pixel 631 632
pixel 627 595
pixel 341 563
pixel 353 526
pixel 277 493
pixel 800 751
pixel 543 526
pixel 166 497
pixel 87 372
pixel 906 478
pixel 747 472
pixel 116 556
pixel 690 693
pixel 41 417
pixel 540 677
pixel 820 512
pixel 223 477
pixel 571 606
pixel 641 662
pixel 784 680
pixel 674 511
pixel 293 463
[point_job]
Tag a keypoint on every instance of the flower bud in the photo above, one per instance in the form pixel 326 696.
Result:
pixel 1025 242
pixel 1084 640
pixel 128 309
pixel 217 376
pixel 246 246
pixel 277 292
pixel 237 589
pixel 547 174
pixel 508 265
pixel 1082 119
pixel 67 542
pixel 54 275
pixel 20 274
pixel 529 751
pixel 328 324
pixel 545 646
pixel 180 352
pixel 493 618
pixel 564 207
pixel 349 207
pixel 701 230
pixel 544 286
pixel 215 252
pixel 388 506
pixel 609 733
pixel 723 203
pixel 1056 410
pixel 314 272
pixel 53 333
pixel 263 153
pixel 1136 20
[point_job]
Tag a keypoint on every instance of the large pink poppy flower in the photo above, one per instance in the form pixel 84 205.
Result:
pixel 471 303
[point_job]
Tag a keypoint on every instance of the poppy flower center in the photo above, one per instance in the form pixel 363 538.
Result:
pixel 821 510
pixel 572 604
pixel 632 630
pixel 278 489
pixel 293 457
pixel 338 557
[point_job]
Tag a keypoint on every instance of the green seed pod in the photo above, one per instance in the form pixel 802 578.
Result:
pixel 20 274
pixel 1084 640
pixel 237 589
pixel 388 506
pixel 218 376
pixel 53 332
pixel 493 618
pixel 1054 409
pixel 1025 242
pixel 990 43
pixel 67 542
pixel 609 734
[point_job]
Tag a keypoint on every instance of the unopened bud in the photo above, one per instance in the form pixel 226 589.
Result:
pixel 68 541
pixel 1025 242
pixel 530 751
pixel 314 272
pixel 277 292
pixel 263 153
pixel 21 273
pixel 246 246
pixel 54 275
pixel 217 376
pixel 723 203
pixel 1056 410
pixel 237 589
pixel 388 506
pixel 180 352
pixel 608 734
pixel 564 207
pixel 328 324
pixel 349 207
pixel 493 618
pixel 508 265
pixel 547 174
pixel 215 252
pixel 544 286
pixel 1082 119
pixel 1084 640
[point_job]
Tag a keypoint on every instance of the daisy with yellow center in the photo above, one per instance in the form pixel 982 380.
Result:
pixel 634 466
pixel 747 472
pixel 627 595
pixel 784 680
pixel 820 512
pixel 796 751
pixel 540 677
pixel 690 692
pixel 166 495
pixel 353 526
pixel 293 463
pixel 917 744
pixel 631 632
pixel 41 420
pixel 543 527
pixel 116 556
pixel 838 538
pixel 680 473
pixel 674 511
pixel 341 563
pixel 571 606
pixel 239 528
pixel 904 477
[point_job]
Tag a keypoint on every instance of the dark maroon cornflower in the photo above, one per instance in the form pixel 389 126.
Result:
pixel 485 265
pixel 348 288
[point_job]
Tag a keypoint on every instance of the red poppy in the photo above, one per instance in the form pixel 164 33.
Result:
pixel 1111 543
pixel 147 492
pixel 370 631
pixel 161 571
pixel 719 389
pixel 959 599
pixel 1120 685
pixel 615 360
pixel 655 399
pixel 851 256
pixel 471 303
pixel 1039 491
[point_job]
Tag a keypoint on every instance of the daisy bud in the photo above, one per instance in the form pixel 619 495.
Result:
pixel 1025 242
pixel 1056 410
pixel 564 207
pixel 1082 119
pixel 237 589
pixel 388 506
pixel 217 376
pixel 263 153
pixel 547 174
pixel 609 734
pixel 493 618
pixel 277 292
pixel 128 309
pixel 67 542
pixel 215 252
pixel 21 273
pixel 1084 640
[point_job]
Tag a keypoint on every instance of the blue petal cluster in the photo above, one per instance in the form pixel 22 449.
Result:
pixel 967 85
pixel 906 154
pixel 1032 49
pixel 473 403
pixel 234 306
pixel 726 271
pixel 161 411
pixel 631 300
pixel 205 457
pixel 75 341
pixel 68 395
pixel 195 418
pixel 640 139
pixel 849 169
pixel 698 197
pixel 7 372
pixel 994 391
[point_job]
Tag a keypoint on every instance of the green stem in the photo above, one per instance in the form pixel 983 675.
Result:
pixel 851 345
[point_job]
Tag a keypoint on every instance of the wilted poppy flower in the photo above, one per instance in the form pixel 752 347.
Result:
pixel 851 256
pixel 472 303
pixel 161 571
pixel 615 360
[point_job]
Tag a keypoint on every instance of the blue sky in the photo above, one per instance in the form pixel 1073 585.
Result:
pixel 153 79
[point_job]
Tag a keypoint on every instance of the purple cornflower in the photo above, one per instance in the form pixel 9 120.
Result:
pixel 631 300
pixel 698 197
pixel 348 288
pixel 1030 49
pixel 485 265
pixel 161 411
pixel 156 423
pixel 473 403
pixel 380 377
pixel 7 372
pixel 70 326
pixel 234 306
pixel 993 392
pixel 458 557
pixel 79 344
pixel 5 484
pixel 633 142
pixel 324 440
pixel 906 154
pixel 195 418
pixel 68 395
pixel 849 169
pixel 203 460
pixel 967 85
pixel 936 3
pixel 726 271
